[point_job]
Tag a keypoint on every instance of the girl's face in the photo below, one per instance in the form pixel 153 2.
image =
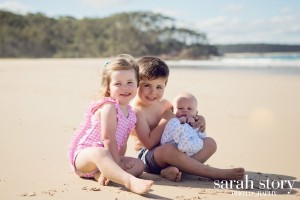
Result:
pixel 150 91
pixel 123 86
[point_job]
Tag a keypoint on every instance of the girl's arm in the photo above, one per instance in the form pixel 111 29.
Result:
pixel 108 116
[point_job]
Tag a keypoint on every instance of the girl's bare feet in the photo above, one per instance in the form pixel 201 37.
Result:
pixel 171 173
pixel 138 186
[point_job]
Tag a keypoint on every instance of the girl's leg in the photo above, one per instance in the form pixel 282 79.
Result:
pixel 93 158
pixel 209 148
pixel 168 155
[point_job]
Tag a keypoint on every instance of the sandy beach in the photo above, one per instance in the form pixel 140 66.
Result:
pixel 252 114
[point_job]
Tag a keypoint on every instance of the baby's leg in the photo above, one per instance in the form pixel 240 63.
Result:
pixel 209 148
pixel 93 158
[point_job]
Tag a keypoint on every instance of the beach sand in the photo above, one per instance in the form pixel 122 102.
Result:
pixel 252 114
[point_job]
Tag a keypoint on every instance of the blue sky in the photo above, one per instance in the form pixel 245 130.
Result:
pixel 224 21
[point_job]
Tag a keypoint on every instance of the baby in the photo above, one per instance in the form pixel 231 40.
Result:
pixel 179 130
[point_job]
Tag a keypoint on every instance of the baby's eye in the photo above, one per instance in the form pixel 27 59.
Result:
pixel 130 82
pixel 117 84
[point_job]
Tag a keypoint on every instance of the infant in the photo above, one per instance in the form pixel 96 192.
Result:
pixel 179 130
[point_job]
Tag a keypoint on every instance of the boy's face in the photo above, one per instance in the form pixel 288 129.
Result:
pixel 185 107
pixel 150 91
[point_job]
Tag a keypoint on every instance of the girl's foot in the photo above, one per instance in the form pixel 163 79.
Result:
pixel 139 186
pixel 171 173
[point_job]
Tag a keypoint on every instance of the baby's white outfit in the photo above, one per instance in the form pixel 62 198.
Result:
pixel 188 139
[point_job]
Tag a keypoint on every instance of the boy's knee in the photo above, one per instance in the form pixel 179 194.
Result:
pixel 166 150
pixel 211 144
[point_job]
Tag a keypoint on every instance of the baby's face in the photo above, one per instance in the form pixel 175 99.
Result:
pixel 185 107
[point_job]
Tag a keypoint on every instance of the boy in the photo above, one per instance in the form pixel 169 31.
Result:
pixel 153 112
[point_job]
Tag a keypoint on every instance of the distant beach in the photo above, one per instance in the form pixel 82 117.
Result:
pixel 285 62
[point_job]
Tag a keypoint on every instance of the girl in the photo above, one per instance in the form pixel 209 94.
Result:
pixel 97 150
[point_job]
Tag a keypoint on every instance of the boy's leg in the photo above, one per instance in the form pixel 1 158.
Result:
pixel 209 148
pixel 93 158
pixel 168 155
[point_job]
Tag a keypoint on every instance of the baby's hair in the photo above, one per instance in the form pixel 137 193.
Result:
pixel 121 62
pixel 152 68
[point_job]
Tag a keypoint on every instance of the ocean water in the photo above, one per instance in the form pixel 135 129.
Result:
pixel 276 61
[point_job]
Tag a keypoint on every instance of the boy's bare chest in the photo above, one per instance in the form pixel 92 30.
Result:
pixel 154 116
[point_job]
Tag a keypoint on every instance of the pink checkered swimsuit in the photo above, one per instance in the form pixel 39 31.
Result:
pixel 89 133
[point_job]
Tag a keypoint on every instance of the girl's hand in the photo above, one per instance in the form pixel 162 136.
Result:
pixel 125 165
pixel 199 123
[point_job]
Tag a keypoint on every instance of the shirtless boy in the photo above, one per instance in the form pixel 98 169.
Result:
pixel 153 112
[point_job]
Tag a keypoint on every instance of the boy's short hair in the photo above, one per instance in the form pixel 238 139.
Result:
pixel 151 67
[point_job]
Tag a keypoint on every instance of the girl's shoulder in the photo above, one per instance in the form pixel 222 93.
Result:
pixel 104 102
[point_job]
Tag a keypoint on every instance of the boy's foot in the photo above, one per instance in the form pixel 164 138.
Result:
pixel 139 186
pixel 230 174
pixel 171 173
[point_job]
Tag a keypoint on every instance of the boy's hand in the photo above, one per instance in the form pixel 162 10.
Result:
pixel 199 123
pixel 167 115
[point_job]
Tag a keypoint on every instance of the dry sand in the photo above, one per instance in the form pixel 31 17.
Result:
pixel 253 115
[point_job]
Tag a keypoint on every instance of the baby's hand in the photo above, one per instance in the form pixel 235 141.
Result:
pixel 182 119
pixel 190 121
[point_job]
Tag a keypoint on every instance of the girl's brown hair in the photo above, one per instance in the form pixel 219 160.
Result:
pixel 121 62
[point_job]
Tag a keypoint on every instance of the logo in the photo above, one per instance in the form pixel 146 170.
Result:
pixel 265 187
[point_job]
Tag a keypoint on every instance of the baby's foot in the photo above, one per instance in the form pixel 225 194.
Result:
pixel 230 174
pixel 171 173
pixel 139 186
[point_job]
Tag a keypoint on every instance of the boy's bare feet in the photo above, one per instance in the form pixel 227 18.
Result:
pixel 171 173
pixel 138 186
pixel 229 174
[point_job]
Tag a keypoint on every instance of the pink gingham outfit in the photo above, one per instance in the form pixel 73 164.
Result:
pixel 89 133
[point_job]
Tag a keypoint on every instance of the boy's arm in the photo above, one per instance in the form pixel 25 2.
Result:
pixel 199 123
pixel 149 138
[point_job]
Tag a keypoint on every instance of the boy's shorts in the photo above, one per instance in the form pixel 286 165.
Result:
pixel 148 158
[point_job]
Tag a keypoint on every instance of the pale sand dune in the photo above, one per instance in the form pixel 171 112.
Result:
pixel 254 117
